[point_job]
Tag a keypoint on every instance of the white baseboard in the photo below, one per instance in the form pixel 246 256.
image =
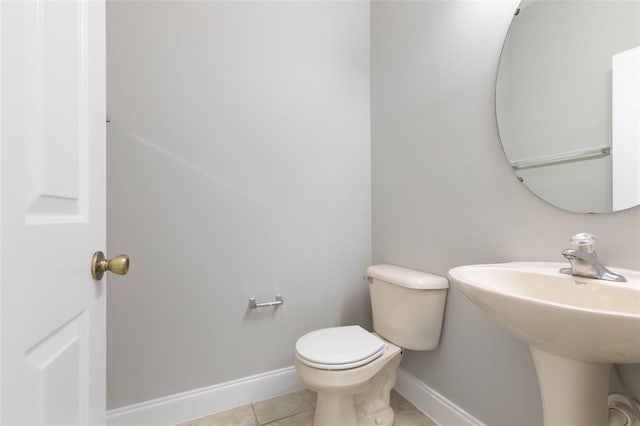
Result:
pixel 182 407
pixel 440 409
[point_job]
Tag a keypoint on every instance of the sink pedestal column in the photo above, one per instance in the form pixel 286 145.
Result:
pixel 573 392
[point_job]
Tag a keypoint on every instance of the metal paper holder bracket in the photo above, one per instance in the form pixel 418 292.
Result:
pixel 253 305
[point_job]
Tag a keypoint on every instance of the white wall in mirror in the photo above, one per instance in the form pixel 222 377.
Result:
pixel 554 95
pixel 625 118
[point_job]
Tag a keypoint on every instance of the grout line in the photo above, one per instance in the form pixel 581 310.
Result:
pixel 255 416
pixel 283 418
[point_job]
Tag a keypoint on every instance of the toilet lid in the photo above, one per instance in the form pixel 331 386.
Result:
pixel 339 348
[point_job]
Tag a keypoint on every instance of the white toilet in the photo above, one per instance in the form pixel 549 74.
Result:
pixel 353 370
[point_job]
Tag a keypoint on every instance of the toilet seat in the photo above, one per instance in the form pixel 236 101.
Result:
pixel 339 348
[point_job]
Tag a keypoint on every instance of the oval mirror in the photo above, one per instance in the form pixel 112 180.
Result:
pixel 568 102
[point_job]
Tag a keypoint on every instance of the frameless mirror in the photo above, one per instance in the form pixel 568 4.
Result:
pixel 568 102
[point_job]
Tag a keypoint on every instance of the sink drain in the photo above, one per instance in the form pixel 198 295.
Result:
pixel 620 413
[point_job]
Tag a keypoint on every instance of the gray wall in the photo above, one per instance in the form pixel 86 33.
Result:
pixel 443 194
pixel 239 166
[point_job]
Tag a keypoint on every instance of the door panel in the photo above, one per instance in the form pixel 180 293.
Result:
pixel 52 212
pixel 56 67
pixel 59 362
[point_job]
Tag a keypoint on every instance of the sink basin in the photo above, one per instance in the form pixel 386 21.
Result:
pixel 576 328
pixel 581 318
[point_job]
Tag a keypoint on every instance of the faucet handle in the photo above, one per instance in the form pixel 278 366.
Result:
pixel 584 242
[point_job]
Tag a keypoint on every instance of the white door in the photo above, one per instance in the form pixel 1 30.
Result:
pixel 52 211
pixel 625 129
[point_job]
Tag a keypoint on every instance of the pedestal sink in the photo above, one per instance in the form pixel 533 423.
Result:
pixel 576 328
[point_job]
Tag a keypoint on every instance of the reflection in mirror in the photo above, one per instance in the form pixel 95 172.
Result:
pixel 568 102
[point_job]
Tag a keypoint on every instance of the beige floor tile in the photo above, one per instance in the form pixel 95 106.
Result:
pixel 284 406
pixel 241 416
pixel 301 419
pixel 406 413
pixel 297 409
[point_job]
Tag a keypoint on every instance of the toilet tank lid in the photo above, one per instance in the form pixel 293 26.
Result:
pixel 407 277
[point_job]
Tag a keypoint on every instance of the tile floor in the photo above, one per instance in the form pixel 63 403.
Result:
pixel 296 409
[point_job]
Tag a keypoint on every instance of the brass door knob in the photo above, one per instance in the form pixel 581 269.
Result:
pixel 100 264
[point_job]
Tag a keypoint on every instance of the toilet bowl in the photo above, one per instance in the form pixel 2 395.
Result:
pixel 356 363
pixel 353 370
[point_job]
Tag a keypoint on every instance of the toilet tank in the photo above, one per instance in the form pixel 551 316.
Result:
pixel 407 306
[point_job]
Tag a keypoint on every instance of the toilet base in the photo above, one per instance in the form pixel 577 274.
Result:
pixel 365 405
pixel 373 406
pixel 334 409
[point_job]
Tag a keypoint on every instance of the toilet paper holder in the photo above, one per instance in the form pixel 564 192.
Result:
pixel 253 305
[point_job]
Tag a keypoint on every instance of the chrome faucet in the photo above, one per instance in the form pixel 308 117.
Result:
pixel 584 261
